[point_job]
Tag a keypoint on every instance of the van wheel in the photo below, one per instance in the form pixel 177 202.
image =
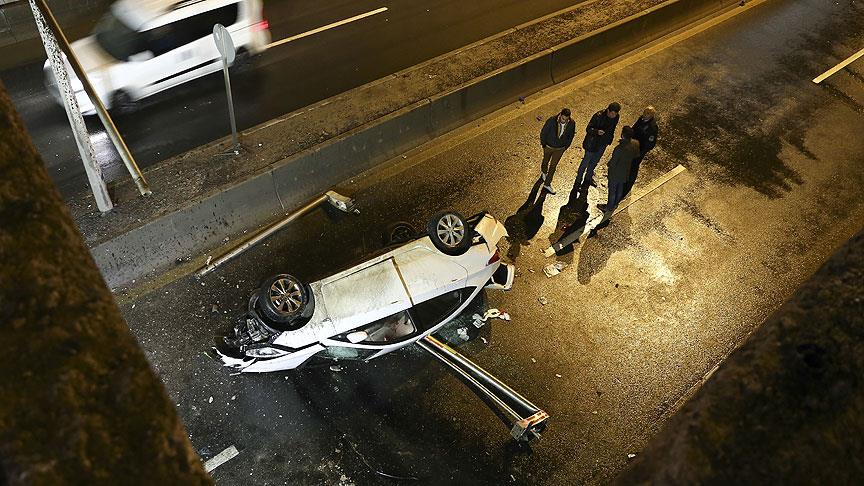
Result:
pixel 450 233
pixel 122 103
pixel 242 61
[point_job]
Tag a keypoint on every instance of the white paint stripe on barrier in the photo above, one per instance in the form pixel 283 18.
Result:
pixel 832 71
pixel 327 27
pixel 221 458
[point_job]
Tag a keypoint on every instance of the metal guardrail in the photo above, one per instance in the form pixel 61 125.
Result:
pixel 527 420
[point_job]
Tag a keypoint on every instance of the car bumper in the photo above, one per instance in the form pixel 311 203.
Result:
pixel 503 278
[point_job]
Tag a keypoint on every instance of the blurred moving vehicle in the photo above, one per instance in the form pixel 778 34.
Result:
pixel 419 283
pixel 142 47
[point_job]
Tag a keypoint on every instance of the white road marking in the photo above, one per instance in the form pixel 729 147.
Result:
pixel 848 61
pixel 327 27
pixel 596 221
pixel 221 458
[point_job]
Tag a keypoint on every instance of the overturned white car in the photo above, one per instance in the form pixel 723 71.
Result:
pixel 421 282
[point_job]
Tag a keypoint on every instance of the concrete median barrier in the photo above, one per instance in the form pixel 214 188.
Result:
pixel 490 92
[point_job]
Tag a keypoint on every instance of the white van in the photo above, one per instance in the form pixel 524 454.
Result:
pixel 142 47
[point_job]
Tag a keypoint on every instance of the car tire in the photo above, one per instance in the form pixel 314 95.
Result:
pixel 400 232
pixel 122 103
pixel 450 233
pixel 283 299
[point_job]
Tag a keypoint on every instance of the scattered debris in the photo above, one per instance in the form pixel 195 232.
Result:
pixel 337 368
pixel 631 456
pixel 554 269
pixel 209 258
pixel 484 340
pixel 489 314
pixel 210 400
pixel 557 375
pixel 543 301
pixel 533 360
pixel 214 309
pixel 221 458
pixel 463 333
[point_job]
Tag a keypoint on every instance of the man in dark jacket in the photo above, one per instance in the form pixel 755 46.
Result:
pixel 645 131
pixel 598 135
pixel 619 168
pixel 555 137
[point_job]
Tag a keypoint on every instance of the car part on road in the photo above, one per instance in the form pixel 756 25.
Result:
pixel 283 298
pixel 450 233
pixel 527 421
pixel 399 232
pixel 338 201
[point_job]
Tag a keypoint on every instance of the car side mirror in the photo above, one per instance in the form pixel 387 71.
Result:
pixel 141 56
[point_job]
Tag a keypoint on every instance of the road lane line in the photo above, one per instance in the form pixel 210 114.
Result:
pixel 327 27
pixel 221 458
pixel 596 221
pixel 830 72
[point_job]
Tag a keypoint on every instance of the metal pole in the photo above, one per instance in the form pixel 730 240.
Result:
pixel 260 236
pixel 234 141
pixel 113 133
pixel 73 112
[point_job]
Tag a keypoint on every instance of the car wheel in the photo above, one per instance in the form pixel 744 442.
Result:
pixel 400 232
pixel 283 299
pixel 450 233
pixel 122 103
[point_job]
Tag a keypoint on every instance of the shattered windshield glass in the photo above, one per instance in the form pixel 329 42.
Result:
pixel 116 38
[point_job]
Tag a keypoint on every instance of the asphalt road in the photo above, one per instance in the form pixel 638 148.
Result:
pixel 286 77
pixel 642 314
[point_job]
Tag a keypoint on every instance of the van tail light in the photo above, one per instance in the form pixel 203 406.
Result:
pixel 263 25
pixel 495 258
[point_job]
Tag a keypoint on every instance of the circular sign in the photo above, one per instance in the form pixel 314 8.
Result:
pixel 224 43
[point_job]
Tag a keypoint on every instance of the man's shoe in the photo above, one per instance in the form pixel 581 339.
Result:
pixel 593 183
pixel 549 189
pixel 601 207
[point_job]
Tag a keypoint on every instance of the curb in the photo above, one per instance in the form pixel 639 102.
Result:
pixel 205 223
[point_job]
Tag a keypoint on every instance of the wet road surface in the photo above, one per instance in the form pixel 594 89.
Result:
pixel 285 78
pixel 644 311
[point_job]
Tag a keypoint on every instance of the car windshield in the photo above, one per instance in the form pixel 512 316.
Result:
pixel 116 38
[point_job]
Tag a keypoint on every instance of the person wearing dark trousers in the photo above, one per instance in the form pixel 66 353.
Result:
pixel 598 135
pixel 619 168
pixel 645 131
pixel 555 137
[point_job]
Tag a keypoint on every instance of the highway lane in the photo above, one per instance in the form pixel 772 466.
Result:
pixel 287 77
pixel 642 313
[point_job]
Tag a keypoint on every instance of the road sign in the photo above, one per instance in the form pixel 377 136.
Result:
pixel 224 43
pixel 226 49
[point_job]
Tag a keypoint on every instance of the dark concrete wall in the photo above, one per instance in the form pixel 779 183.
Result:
pixel 79 403
pixel 19 38
pixel 788 406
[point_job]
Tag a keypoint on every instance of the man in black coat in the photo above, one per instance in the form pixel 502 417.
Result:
pixel 555 137
pixel 645 131
pixel 598 135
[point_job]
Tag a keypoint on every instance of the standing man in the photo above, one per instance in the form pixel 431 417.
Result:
pixel 555 137
pixel 619 168
pixel 645 131
pixel 598 135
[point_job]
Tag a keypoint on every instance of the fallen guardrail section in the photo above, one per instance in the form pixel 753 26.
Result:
pixel 527 421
